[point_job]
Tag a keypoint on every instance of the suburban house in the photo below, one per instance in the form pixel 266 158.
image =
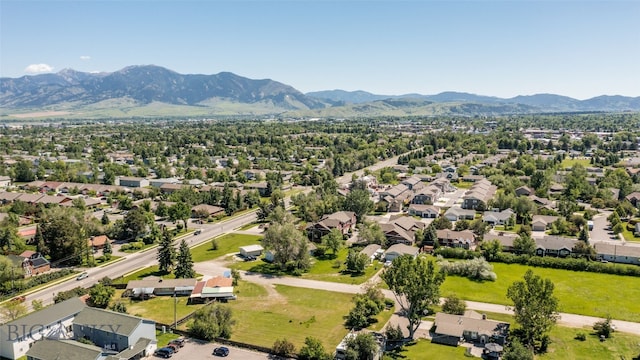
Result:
pixel 7 197
pixel 494 218
pixel 456 213
pixel 541 202
pixel 402 230
pixel 412 181
pixel 459 239
pixel 131 181
pixel 169 188
pixel 205 209
pixel 479 195
pixel 524 191
pixel 32 263
pixel 505 239
pixel 394 191
pixel 158 182
pixel 114 331
pixel 398 250
pixel 555 246
pixel 372 251
pixel 634 198
pixel 472 327
pixel 216 288
pixel 424 211
pixel 618 253
pixel 98 242
pixel 345 221
pixel 153 285
pixel 261 187
pixel 54 322
pixel 542 222
pixel 427 195
pixel 251 250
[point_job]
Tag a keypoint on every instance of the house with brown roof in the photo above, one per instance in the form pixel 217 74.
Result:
pixel 479 195
pixel 472 327
pixel 209 210
pixel 634 198
pixel 460 239
pixel 98 242
pixel 402 230
pixel 542 222
pixel 345 221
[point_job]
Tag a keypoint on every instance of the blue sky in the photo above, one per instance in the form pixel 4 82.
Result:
pixel 501 48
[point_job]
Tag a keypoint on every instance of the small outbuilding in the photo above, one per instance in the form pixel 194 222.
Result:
pixel 251 250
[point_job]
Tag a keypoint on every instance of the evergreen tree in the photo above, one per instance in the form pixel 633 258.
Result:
pixel 166 252
pixel 107 250
pixel 184 266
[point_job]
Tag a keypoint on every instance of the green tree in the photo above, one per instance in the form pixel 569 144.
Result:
pixel 359 201
pixel 313 350
pixel 603 327
pixel 166 252
pixel 442 223
pixel 416 286
pixel 371 233
pixel 333 241
pixel 37 305
pixel 491 249
pixel 362 347
pixel 184 263
pixel 63 235
pixel 135 224
pixel 524 244
pixel 356 262
pixel 211 322
pixel 119 306
pixel 13 309
pixel 180 211
pixel 105 219
pixel 535 308
pixel 515 350
pixel 289 246
pixel 23 171
pixel 100 295
pixel 283 347
pixel 454 305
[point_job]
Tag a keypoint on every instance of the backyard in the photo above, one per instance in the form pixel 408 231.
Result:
pixel 159 308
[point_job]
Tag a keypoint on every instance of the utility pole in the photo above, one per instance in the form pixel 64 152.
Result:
pixel 175 310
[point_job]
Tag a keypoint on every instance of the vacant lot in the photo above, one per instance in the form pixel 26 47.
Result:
pixel 579 292
pixel 159 308
pixel 226 244
pixel 283 312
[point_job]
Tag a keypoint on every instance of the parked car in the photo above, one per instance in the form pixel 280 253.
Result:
pixel 20 298
pixel 82 276
pixel 221 351
pixel 164 352
pixel 174 347
pixel 250 258
pixel 197 232
pixel 179 341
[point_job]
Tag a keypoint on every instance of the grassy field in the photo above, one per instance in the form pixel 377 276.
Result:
pixel 164 338
pixel 578 292
pixel 159 308
pixel 424 349
pixel 226 244
pixel 322 269
pixel 569 163
pixel 291 313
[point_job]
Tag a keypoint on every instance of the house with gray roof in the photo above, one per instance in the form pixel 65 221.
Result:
pixel 456 213
pixel 398 250
pixel 112 330
pixel 542 222
pixel 624 254
pixel 424 211
pixel 472 327
pixel 494 218
pixel 555 246
pixel 54 322
pixel 46 349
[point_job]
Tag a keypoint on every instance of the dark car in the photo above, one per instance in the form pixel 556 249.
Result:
pixel 165 352
pixel 221 351
pixel 173 347
pixel 179 341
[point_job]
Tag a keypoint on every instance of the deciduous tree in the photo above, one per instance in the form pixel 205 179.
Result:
pixel 415 282
pixel 535 308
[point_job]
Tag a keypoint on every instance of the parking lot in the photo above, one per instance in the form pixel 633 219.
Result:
pixel 194 350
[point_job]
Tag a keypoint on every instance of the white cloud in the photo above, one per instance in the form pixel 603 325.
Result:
pixel 38 68
pixel 85 57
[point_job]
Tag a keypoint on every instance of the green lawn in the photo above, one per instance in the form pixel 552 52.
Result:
pixel 159 308
pixel 424 349
pixel 578 292
pixel 226 244
pixel 569 163
pixel 164 338
pixel 289 313
pixel 463 184
pixel 322 269
pixel 628 235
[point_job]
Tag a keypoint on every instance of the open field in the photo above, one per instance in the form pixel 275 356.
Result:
pixel 226 244
pixel 322 269
pixel 291 313
pixel 582 293
pixel 569 163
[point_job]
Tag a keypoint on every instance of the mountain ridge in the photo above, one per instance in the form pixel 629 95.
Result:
pixel 227 93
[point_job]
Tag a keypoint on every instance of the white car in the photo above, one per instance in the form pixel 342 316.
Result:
pixel 82 276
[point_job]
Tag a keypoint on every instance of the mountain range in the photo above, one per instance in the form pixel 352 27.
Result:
pixel 153 90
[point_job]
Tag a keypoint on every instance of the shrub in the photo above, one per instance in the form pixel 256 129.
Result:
pixel 603 327
pixel 581 336
pixel 476 268
pixel 283 347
